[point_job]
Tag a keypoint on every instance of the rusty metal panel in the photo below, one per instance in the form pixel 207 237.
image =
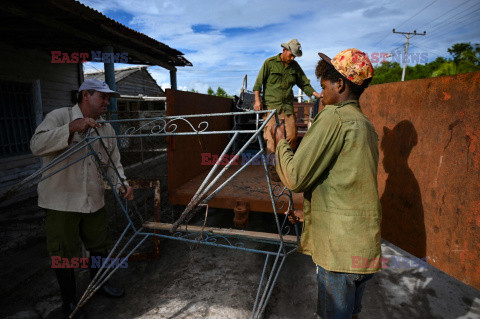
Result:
pixel 429 169
pixel 184 158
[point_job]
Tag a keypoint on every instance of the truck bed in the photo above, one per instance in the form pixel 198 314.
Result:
pixel 249 186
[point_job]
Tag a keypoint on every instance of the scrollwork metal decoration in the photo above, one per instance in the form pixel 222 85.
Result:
pixel 160 125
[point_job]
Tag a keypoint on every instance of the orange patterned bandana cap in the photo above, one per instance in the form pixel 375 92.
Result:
pixel 354 65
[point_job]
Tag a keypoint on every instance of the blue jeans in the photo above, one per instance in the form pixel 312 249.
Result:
pixel 339 294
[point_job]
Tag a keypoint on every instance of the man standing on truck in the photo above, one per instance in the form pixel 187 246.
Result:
pixel 74 197
pixel 276 78
pixel 335 167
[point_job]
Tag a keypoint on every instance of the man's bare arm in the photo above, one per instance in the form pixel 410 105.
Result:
pixel 258 103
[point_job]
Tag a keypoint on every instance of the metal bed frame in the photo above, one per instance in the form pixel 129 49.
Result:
pixel 279 246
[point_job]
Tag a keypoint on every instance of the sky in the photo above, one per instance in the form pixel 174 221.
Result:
pixel 225 40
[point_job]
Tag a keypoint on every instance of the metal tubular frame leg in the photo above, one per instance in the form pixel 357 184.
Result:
pixel 107 271
pixel 259 307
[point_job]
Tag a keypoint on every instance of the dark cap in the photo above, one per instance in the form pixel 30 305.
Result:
pixel 325 58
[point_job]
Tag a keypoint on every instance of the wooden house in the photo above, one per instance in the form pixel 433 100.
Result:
pixel 43 45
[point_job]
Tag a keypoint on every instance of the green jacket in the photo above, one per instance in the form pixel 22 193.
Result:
pixel 276 80
pixel 335 167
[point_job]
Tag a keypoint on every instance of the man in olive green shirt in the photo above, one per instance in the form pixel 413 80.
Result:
pixel 335 167
pixel 276 78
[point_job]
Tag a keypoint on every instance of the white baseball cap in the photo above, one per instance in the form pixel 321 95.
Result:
pixel 97 85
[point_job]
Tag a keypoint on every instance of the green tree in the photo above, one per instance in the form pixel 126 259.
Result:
pixel 210 91
pixel 458 48
pixel 387 72
pixel 446 68
pixel 221 92
pixel 466 58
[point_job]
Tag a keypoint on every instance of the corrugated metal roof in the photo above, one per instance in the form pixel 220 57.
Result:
pixel 90 12
pixel 70 26
pixel 120 74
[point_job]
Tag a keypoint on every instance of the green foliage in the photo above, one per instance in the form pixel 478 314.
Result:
pixel 387 72
pixel 466 58
pixel 221 92
pixel 447 68
pixel 458 48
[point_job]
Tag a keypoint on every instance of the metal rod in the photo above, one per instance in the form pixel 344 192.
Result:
pixel 181 133
pixel 219 188
pixel 81 303
pixel 257 314
pixel 111 251
pixel 191 206
pixel 195 241
pixel 277 272
pixel 271 193
pixel 260 285
pixel 20 185
pixel 189 116
pixel 214 168
pixel 105 174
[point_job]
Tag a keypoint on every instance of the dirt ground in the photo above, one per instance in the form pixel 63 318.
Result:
pixel 208 282
pixel 187 281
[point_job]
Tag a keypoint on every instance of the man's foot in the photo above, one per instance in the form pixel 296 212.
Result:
pixel 107 289
pixel 272 172
pixel 112 291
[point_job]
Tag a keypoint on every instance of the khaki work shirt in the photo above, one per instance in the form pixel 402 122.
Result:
pixel 277 80
pixel 79 187
pixel 336 168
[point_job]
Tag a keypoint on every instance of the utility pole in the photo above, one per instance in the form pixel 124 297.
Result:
pixel 407 35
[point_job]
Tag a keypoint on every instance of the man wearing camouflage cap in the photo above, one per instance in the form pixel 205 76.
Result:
pixel 276 78
pixel 335 167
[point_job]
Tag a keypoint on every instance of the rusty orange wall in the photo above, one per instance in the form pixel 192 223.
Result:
pixel 184 152
pixel 429 169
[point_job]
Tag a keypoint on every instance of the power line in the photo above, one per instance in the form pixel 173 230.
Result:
pixel 442 24
pixel 418 44
pixel 408 36
pixel 416 14
pixel 461 23
pixel 444 14
pixel 428 50
pixel 375 46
